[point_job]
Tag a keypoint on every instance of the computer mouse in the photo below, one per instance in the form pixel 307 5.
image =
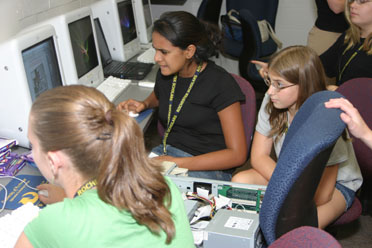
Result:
pixel 133 114
pixel 44 193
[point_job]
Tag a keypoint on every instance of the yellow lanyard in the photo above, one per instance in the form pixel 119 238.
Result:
pixel 170 122
pixel 87 186
pixel 348 62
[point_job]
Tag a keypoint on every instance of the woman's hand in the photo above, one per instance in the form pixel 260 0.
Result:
pixel 55 193
pixel 351 116
pixel 132 105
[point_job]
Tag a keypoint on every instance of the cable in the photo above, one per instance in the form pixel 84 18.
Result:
pixel 6 176
pixel 6 196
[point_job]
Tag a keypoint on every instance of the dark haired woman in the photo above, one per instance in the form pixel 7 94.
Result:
pixel 199 102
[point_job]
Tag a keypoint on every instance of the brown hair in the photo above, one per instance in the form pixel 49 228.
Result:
pixel 352 36
pixel 299 65
pixel 104 143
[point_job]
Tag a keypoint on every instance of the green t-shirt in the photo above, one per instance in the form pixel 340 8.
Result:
pixel 87 221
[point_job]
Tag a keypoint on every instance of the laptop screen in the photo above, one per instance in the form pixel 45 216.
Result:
pixel 103 48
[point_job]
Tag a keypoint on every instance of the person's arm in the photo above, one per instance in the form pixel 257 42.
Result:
pixel 337 6
pixel 23 242
pixel 260 155
pixel 326 186
pixel 355 123
pixel 132 105
pixel 263 67
pixel 235 153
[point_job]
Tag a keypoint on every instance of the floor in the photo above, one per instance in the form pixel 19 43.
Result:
pixel 356 234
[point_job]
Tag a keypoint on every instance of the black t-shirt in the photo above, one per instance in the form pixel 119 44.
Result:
pixel 333 61
pixel 197 129
pixel 327 20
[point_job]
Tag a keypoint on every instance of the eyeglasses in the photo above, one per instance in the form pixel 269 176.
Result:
pixel 275 83
pixel 358 1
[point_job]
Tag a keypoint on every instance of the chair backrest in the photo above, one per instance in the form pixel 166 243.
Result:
pixel 248 108
pixel 209 10
pixel 289 198
pixel 306 236
pixel 252 46
pixel 263 9
pixel 359 92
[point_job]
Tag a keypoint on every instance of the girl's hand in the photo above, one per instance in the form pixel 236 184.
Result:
pixel 55 193
pixel 264 67
pixel 351 116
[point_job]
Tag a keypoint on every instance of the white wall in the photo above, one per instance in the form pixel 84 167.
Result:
pixel 18 14
pixel 294 20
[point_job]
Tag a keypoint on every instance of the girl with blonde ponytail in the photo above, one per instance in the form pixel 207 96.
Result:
pixel 114 195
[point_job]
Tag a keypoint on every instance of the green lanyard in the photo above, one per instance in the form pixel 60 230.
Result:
pixel 170 122
pixel 87 186
pixel 348 62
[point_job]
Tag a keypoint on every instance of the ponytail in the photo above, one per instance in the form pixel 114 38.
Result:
pixel 127 179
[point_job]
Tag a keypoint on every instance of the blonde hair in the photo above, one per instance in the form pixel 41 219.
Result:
pixel 299 65
pixel 104 143
pixel 352 35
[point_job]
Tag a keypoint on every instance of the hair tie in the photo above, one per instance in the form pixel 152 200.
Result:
pixel 108 117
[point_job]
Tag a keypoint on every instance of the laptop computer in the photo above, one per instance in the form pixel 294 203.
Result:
pixel 125 70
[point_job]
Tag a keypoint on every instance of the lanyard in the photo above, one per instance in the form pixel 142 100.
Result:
pixel 348 62
pixel 170 122
pixel 87 186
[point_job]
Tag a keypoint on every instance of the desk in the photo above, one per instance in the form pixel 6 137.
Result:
pixel 133 91
pixel 139 93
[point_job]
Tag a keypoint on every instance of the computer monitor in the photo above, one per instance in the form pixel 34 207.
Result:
pixel 119 27
pixel 77 40
pixel 143 15
pixel 29 66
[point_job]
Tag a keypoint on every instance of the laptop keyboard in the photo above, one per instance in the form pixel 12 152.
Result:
pixel 128 70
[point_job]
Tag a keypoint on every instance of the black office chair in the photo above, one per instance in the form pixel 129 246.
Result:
pixel 252 47
pixel 209 10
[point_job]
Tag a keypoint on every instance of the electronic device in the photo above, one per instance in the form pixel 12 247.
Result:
pixel 29 65
pixel 243 196
pixel 112 87
pixel 143 15
pixel 126 70
pixel 147 56
pixel 119 27
pixel 77 39
pixel 231 228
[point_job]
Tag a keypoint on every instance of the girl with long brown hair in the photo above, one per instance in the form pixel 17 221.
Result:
pixel 293 75
pixel 115 195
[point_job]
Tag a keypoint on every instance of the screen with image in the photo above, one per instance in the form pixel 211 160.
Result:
pixel 41 67
pixel 127 23
pixel 83 45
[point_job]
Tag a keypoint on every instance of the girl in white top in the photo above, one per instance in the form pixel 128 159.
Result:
pixel 294 74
